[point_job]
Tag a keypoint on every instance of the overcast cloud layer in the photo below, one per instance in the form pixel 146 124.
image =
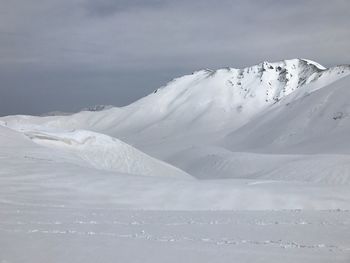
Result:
pixel 68 54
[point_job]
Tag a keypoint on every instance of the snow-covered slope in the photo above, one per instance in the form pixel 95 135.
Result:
pixel 11 138
pixel 234 122
pixel 44 169
pixel 85 149
pixel 105 152
pixel 305 139
pixel 318 122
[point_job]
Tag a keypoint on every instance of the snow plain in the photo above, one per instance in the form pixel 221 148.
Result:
pixel 232 165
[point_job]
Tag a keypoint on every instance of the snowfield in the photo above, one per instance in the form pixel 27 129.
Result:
pixel 54 234
pixel 231 165
pixel 105 153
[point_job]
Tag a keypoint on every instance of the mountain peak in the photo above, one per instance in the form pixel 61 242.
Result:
pixel 235 94
pixel 268 80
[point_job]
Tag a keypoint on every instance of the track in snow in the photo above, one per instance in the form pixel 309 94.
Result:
pixel 59 234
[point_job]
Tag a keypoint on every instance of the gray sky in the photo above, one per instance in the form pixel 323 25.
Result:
pixel 68 54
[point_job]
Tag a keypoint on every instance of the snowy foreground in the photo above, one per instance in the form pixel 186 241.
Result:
pixel 80 234
pixel 233 165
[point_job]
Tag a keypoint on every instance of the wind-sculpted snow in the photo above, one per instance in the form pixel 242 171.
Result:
pixel 61 167
pixel 104 152
pixel 39 176
pixel 204 162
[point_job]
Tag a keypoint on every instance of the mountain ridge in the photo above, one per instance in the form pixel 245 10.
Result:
pixel 233 123
pixel 225 97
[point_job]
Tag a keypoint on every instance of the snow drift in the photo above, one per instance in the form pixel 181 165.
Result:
pixel 104 152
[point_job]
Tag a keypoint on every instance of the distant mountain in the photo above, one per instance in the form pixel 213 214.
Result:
pixel 208 100
pixel 90 108
pixel 55 113
pixel 97 108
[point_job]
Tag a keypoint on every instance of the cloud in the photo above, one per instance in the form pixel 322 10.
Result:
pixel 111 7
pixel 160 37
pixel 128 34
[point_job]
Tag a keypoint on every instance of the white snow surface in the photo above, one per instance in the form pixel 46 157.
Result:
pixel 251 165
pixel 105 153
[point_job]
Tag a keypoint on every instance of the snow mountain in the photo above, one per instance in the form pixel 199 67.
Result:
pixel 210 99
pixel 284 120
